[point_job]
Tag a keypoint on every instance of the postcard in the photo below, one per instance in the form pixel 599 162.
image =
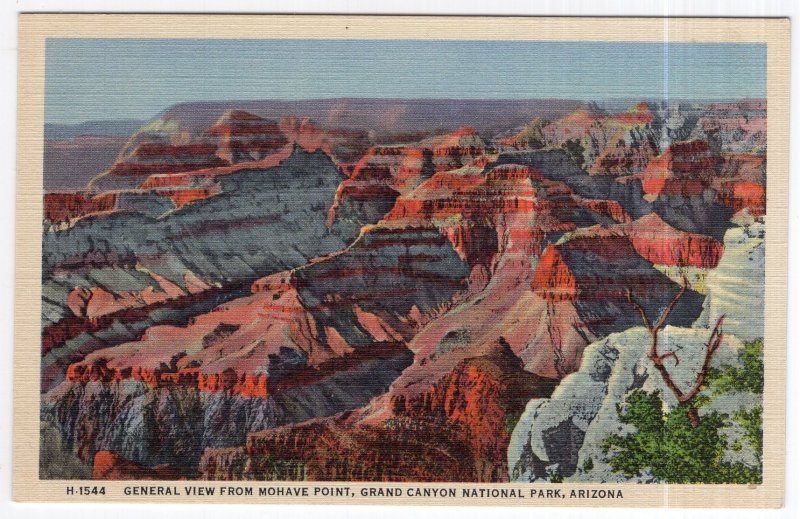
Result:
pixel 410 260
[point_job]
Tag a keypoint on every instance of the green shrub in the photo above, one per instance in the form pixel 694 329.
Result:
pixel 555 476
pixel 670 448
pixel 750 377
pixel 751 421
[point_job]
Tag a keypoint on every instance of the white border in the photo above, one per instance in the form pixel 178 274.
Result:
pixel 8 45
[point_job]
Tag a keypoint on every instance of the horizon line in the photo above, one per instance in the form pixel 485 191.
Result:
pixel 598 101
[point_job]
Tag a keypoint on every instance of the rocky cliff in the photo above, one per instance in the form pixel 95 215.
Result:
pixel 241 136
pixel 568 433
pixel 247 294
pixel 466 414
pixel 109 277
pixel 736 286
pixel 564 435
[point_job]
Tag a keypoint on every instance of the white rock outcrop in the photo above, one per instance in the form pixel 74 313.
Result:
pixel 736 286
pixel 562 433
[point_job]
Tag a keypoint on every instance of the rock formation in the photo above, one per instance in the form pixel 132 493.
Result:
pixel 562 433
pixel 378 290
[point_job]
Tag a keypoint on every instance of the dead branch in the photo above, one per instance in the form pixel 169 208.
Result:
pixel 713 344
pixel 640 308
pixel 673 355
pixel 662 320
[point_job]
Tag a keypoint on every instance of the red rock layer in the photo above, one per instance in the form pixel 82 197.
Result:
pixel 207 354
pixel 245 384
pixel 553 279
pixel 739 195
pixel 661 244
pixel 685 169
pixel 595 269
pixel 385 171
pixel 458 430
pixel 242 136
pixel 181 197
pixel 480 212
pixel 99 318
pixel 62 207
pixel 203 355
pixel 469 195
pixel 401 167
pixel 342 145
pixel 153 157
pixel 175 180
pixel 113 467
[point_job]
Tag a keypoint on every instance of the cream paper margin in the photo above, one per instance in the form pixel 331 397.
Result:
pixel 35 28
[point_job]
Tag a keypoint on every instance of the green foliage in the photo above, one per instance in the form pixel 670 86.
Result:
pixel 673 450
pixel 588 465
pixel 751 421
pixel 575 150
pixel 555 476
pixel 670 448
pixel 750 377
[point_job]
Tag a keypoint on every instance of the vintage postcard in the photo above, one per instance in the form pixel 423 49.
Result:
pixel 439 260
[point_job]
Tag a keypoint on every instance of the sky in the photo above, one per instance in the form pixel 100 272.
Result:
pixel 113 79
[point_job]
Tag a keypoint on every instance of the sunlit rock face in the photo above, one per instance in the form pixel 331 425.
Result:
pixel 379 290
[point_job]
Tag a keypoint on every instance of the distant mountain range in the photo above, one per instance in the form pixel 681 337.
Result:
pixel 384 115
pixel 111 128
pixel 69 165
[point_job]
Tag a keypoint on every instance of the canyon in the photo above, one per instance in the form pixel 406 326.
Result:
pixel 343 290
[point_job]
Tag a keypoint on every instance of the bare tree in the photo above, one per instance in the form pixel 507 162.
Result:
pixel 713 344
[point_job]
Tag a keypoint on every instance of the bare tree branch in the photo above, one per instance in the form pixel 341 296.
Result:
pixel 713 344
pixel 671 354
pixel 640 308
pixel 662 320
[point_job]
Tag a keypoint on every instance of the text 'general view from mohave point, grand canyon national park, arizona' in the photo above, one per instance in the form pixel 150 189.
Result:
pixel 405 261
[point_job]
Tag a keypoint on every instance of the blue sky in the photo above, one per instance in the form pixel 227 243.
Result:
pixel 104 79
